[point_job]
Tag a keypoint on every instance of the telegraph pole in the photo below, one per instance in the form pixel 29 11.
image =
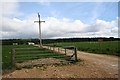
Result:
pixel 40 38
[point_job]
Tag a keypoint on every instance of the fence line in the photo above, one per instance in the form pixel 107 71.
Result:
pixel 65 51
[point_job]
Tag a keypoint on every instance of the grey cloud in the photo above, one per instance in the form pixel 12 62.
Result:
pixel 60 28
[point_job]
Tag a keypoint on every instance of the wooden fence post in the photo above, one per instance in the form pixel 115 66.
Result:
pixel 58 49
pixel 13 57
pixel 75 52
pixel 65 51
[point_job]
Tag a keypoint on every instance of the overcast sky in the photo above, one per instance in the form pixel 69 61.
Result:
pixel 62 19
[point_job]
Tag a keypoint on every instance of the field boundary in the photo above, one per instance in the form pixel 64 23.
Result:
pixel 64 50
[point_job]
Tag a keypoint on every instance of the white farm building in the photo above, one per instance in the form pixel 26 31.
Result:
pixel 31 43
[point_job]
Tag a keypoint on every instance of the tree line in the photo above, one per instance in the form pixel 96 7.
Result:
pixel 48 41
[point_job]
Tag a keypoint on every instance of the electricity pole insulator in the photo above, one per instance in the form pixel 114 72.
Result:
pixel 40 38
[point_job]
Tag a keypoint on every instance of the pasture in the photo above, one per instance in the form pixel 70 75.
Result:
pixel 104 47
pixel 6 54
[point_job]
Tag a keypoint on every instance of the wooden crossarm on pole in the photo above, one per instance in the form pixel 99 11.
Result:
pixel 39 29
pixel 39 21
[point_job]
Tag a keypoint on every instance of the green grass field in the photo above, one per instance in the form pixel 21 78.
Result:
pixel 26 54
pixel 105 47
pixel 6 54
pixel 36 53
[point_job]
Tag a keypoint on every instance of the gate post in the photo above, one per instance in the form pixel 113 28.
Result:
pixel 75 52
pixel 65 51
pixel 13 57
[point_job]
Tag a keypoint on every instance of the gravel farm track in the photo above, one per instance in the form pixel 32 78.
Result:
pixel 90 66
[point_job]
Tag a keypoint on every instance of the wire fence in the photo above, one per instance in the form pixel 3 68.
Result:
pixel 70 51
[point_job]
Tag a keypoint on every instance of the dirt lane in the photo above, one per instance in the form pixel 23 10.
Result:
pixel 106 63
